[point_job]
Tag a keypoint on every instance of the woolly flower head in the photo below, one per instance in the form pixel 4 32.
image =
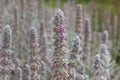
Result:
pixel 87 30
pixel 17 62
pixel 76 42
pixel 60 14
pixel 60 23
pixel 77 39
pixel 105 54
pixel 7 37
pixel 103 49
pixel 79 9
pixel 81 68
pixel 59 17
pixel 97 64
pixel 97 59
pixel 105 37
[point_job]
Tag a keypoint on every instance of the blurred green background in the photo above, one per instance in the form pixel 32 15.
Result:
pixel 102 6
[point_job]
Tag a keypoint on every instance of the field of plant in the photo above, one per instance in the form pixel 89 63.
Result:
pixel 59 40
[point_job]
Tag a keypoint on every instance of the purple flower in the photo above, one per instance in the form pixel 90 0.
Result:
pixel 79 9
pixel 62 38
pixel 61 30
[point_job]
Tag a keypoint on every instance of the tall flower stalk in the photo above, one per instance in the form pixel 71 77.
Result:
pixel 59 61
pixel 106 57
pixel 77 68
pixel 102 64
pixel 34 59
pixel 75 55
pixel 79 21
pixel 6 54
pixel 87 40
pixel 98 68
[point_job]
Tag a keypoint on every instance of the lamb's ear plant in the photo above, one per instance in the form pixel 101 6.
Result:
pixel 98 68
pixel 6 54
pixel 106 57
pixel 79 28
pixel 59 59
pixel 87 41
pixel 74 58
pixel 78 68
pixel 102 64
pixel 33 55
pixel 79 21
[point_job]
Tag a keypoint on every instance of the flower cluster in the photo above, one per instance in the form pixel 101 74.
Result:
pixel 6 55
pixel 102 61
pixel 87 40
pixel 33 58
pixel 79 20
pixel 59 60
pixel 75 55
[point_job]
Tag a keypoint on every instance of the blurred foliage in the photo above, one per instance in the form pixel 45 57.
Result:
pixel 103 2
pixel 11 77
pixel 118 59
pixel 52 3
